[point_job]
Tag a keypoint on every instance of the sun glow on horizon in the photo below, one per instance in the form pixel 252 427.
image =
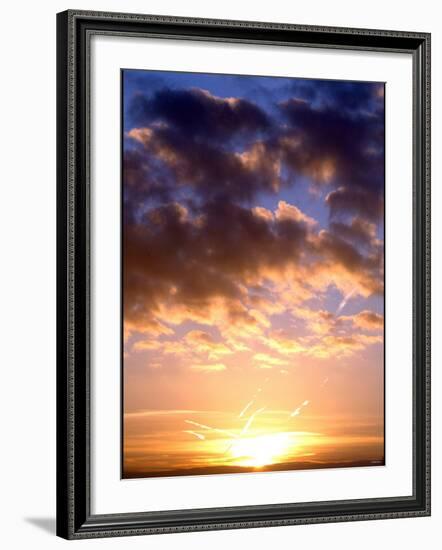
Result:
pixel 215 442
pixel 262 450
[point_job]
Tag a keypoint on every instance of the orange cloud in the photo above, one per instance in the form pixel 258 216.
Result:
pixel 267 359
pixel 368 320
pixel 146 325
pixel 341 345
pixel 202 342
pixel 283 344
pixel 209 368
pixel 287 211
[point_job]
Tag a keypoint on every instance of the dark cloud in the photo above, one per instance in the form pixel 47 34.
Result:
pixel 198 140
pixel 191 260
pixel 211 171
pixel 337 254
pixel 344 253
pixel 196 237
pixel 173 257
pixel 361 202
pixel 359 232
pixel 330 145
pixel 352 97
pixel 199 115
pixel 144 180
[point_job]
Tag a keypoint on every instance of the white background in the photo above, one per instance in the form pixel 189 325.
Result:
pixel 27 219
pixel 109 493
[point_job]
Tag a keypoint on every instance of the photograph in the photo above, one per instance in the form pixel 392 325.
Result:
pixel 252 273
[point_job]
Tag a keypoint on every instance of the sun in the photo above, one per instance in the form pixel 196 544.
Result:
pixel 261 450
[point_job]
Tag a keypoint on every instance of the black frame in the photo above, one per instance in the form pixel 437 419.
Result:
pixel 74 518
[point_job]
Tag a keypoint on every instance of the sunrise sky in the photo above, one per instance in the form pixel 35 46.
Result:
pixel 253 282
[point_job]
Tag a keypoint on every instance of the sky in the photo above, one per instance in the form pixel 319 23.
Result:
pixel 253 273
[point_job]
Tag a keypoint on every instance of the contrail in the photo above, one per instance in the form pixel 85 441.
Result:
pixel 299 409
pixel 199 436
pixel 245 409
pixel 245 429
pixel 205 427
pixel 252 401
pixel 250 420
pixel 344 301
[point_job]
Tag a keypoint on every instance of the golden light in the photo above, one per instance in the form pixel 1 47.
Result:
pixel 261 450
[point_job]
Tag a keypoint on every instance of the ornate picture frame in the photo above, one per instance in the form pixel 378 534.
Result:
pixel 75 516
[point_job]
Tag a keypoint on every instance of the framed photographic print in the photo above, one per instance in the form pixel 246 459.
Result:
pixel 243 274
